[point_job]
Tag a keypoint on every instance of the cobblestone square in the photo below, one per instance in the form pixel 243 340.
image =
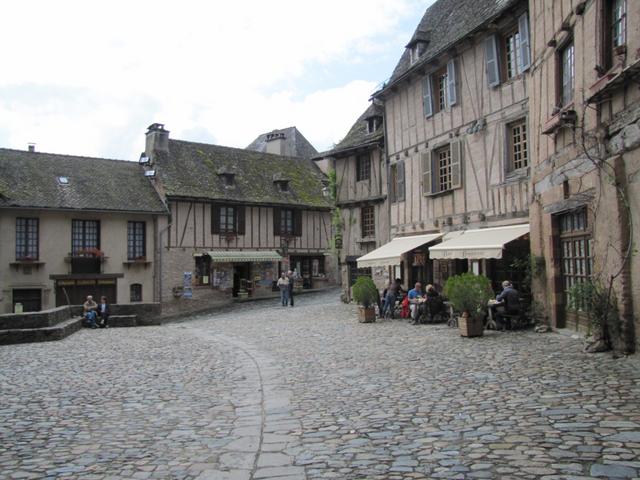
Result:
pixel 271 392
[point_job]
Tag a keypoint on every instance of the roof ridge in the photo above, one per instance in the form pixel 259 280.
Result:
pixel 26 152
pixel 243 150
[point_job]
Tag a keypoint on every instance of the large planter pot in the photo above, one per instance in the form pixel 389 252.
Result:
pixel 366 315
pixel 469 326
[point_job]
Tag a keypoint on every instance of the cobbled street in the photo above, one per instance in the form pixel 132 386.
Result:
pixel 266 392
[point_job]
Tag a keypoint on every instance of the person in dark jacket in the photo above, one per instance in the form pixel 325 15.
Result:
pixel 103 313
pixel 509 298
pixel 292 277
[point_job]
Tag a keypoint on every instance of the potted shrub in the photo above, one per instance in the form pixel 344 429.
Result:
pixel 365 293
pixel 469 294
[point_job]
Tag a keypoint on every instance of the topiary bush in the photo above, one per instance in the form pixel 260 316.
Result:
pixel 364 292
pixel 469 293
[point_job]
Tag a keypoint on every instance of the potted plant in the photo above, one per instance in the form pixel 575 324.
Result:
pixel 469 294
pixel 365 293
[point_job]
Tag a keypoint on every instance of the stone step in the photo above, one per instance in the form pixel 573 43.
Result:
pixel 117 321
pixel 43 334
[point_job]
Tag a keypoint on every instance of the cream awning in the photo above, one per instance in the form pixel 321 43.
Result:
pixel 477 244
pixel 389 253
pixel 227 256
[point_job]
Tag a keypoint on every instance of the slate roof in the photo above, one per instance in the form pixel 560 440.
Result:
pixel 446 22
pixel 295 145
pixel 30 180
pixel 357 135
pixel 193 170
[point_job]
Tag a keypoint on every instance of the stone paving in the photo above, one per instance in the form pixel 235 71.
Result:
pixel 266 392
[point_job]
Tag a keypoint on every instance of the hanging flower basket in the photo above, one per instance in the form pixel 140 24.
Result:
pixel 90 252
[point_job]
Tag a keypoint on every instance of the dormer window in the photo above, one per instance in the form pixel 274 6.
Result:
pixel 228 178
pixel 283 185
pixel 63 180
pixel 416 51
pixel 373 124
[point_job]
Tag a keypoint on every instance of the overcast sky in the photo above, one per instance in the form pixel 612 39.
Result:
pixel 87 77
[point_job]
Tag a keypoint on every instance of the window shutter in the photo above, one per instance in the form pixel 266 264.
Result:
pixel 297 223
pixel 456 164
pixel 400 188
pixel 427 101
pixel 276 221
pixel 240 229
pixel 215 219
pixel 525 55
pixel 451 82
pixel 392 183
pixel 491 59
pixel 427 182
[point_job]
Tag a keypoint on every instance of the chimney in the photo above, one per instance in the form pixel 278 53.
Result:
pixel 275 142
pixel 157 140
pixel 32 147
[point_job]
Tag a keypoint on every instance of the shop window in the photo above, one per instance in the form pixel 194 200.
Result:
pixel 135 292
pixel 136 240
pixel 517 153
pixel 363 167
pixel 27 238
pixel 203 270
pixel 367 221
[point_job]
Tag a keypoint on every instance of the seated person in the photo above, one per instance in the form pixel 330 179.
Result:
pixel 89 309
pixel 103 313
pixel 435 304
pixel 416 296
pixel 509 299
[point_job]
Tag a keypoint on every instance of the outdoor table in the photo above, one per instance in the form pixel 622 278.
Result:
pixel 491 322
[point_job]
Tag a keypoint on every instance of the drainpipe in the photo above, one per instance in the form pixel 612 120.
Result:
pixel 160 248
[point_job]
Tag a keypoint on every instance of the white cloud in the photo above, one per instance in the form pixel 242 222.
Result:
pixel 79 73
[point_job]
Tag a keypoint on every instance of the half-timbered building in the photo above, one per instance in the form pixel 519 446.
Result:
pixel 585 214
pixel 456 117
pixel 237 219
pixel 358 164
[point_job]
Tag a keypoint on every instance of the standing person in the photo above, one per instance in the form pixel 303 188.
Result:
pixel 292 276
pixel 103 313
pixel 283 285
pixel 89 309
pixel 390 296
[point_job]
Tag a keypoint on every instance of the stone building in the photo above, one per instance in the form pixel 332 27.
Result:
pixel 359 166
pixel 74 226
pixel 456 118
pixel 585 213
pixel 284 141
pixel 237 218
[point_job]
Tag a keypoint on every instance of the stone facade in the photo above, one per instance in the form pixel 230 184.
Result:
pixel 585 202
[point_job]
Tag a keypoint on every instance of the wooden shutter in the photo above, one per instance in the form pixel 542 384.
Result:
pixel 392 183
pixel 276 221
pixel 491 60
pixel 427 96
pixel 215 218
pixel 456 164
pixel 451 82
pixel 240 229
pixel 525 55
pixel 400 186
pixel 297 223
pixel 427 182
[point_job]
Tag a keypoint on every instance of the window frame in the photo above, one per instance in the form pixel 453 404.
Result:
pixel 367 221
pixel 511 145
pixel 397 185
pixel 83 235
pixel 137 288
pixel 565 98
pixel 136 239
pixel 229 214
pixel 497 66
pixel 363 166
pixel 577 266
pixel 440 90
pixel 431 168
pixel 27 238
pixel 610 46
pixel 287 221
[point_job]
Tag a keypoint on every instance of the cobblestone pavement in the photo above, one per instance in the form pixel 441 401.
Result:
pixel 266 392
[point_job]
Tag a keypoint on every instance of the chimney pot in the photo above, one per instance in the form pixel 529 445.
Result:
pixel 32 147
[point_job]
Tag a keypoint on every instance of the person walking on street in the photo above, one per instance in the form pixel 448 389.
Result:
pixel 283 285
pixel 292 276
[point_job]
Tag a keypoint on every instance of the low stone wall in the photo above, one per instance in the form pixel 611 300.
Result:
pixel 44 318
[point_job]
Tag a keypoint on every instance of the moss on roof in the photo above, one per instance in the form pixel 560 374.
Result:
pixel 194 170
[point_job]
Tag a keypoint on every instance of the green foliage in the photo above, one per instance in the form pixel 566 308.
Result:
pixel 599 305
pixel 469 293
pixel 333 185
pixel 365 292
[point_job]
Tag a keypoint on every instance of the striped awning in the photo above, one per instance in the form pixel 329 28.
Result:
pixel 235 256
pixel 478 244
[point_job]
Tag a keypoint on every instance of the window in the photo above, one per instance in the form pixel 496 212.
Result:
pixel 27 239
pixel 575 249
pixel 63 180
pixel 507 55
pixel 367 219
pixel 567 74
pixel 396 182
pixel 373 124
pixel 363 167
pixel 416 51
pixel 517 145
pixel 287 222
pixel 136 240
pixel 227 219
pixel 228 179
pixel 85 234
pixel 203 270
pixel 441 169
pixel 135 292
pixel 615 29
pixel 439 90
pixel 355 272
